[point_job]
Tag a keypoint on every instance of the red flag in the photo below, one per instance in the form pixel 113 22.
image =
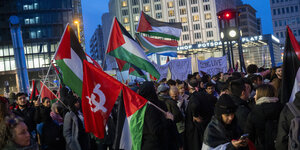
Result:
pixel 34 91
pixel 99 94
pixel 46 92
pixel 152 77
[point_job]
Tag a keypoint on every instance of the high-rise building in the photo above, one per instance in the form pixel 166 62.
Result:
pixel 42 25
pixel 97 49
pixel 285 13
pixel 198 17
pixel 248 20
pixel 259 28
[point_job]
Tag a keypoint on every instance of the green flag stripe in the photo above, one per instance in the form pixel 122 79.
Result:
pixel 141 63
pixel 136 124
pixel 162 35
pixel 69 78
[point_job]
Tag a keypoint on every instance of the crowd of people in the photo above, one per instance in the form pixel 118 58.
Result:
pixel 226 111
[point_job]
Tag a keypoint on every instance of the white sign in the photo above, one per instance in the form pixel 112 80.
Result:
pixel 213 66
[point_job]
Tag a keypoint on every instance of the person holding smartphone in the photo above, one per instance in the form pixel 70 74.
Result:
pixel 223 131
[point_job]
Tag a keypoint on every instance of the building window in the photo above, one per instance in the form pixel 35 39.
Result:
pixel 197 35
pixel 196 18
pixel 26 21
pixel 127 28
pixel 158 15
pixel 194 1
pixel 37 19
pixel 186 37
pixel 25 7
pixel 183 19
pixel 196 26
pixel 296 8
pixel 275 23
pixel 280 23
pixel 156 0
pixel 30 7
pixel 136 18
pixel 206 7
pixel 32 35
pixel 134 2
pixel 208 25
pixel 194 9
pixel 274 11
pixel 182 11
pixel 171 20
pixel 287 10
pixel 126 20
pixel 39 34
pixel 282 10
pixel 146 8
pixel 278 11
pixel 281 34
pixel 135 10
pixel 209 34
pixel 157 7
pixel 36 6
pixel 292 9
pixel 277 35
pixel 32 21
pixel 273 1
pixel 298 20
pixel 171 13
pixel 185 28
pixel 181 2
pixel 125 12
pixel 205 1
pixel 207 16
pixel 145 1
pixel 170 5
pixel 124 3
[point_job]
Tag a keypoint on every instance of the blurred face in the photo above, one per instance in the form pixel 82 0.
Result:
pixel 77 105
pixel 210 90
pixel 278 72
pixel 201 85
pixel 247 91
pixel 36 103
pixel 22 101
pixel 21 135
pixel 181 89
pixel 227 118
pixel 47 103
pixel 258 82
pixel 174 95
pixel 198 77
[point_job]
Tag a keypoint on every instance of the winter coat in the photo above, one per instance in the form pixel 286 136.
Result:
pixel 172 107
pixel 217 135
pixel 262 123
pixel 242 111
pixel 71 132
pixel 284 125
pixel 27 115
pixel 12 146
pixel 199 106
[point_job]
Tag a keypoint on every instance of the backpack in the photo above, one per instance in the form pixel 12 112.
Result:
pixel 294 132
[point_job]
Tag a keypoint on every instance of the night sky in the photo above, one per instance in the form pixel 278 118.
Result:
pixel 93 9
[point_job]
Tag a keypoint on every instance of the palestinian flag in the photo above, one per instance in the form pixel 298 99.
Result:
pixel 162 47
pixel 133 70
pixel 154 27
pixel 122 65
pixel 34 91
pixel 290 68
pixel 130 122
pixel 46 92
pixel 122 46
pixel 69 57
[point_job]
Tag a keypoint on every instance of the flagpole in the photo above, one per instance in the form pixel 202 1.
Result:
pixel 53 59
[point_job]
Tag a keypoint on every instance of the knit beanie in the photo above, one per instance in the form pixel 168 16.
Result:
pixel 224 105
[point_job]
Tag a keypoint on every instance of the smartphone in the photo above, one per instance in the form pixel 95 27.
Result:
pixel 244 136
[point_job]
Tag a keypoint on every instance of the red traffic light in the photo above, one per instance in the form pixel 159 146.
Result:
pixel 227 15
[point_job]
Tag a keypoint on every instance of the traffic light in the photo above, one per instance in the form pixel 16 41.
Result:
pixel 226 14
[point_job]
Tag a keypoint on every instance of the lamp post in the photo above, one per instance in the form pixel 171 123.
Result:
pixel 78 30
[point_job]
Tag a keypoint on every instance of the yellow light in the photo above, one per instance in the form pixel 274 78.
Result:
pixel 76 22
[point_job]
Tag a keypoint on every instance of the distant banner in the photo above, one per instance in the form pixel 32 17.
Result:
pixel 179 68
pixel 213 66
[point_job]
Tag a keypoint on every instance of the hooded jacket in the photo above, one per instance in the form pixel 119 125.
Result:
pixel 242 111
pixel 284 125
pixel 262 123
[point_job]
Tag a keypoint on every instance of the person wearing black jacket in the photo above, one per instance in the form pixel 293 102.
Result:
pixel 24 111
pixel 159 132
pixel 240 94
pixel 263 119
pixel 284 124
pixel 222 131
pixel 198 114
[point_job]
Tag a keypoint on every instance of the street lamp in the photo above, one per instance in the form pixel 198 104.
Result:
pixel 78 32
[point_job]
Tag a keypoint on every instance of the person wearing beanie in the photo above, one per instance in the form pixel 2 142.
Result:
pixel 222 131
pixel 198 114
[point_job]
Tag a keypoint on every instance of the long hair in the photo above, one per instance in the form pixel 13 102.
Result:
pixel 265 90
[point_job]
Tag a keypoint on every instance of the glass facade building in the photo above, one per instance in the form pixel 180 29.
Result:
pixel 42 25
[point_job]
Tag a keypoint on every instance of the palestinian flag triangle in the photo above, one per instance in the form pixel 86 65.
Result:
pixel 122 46
pixel 69 57
pixel 152 45
pixel 154 27
pixel 133 70
pixel 290 68
pixel 122 65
